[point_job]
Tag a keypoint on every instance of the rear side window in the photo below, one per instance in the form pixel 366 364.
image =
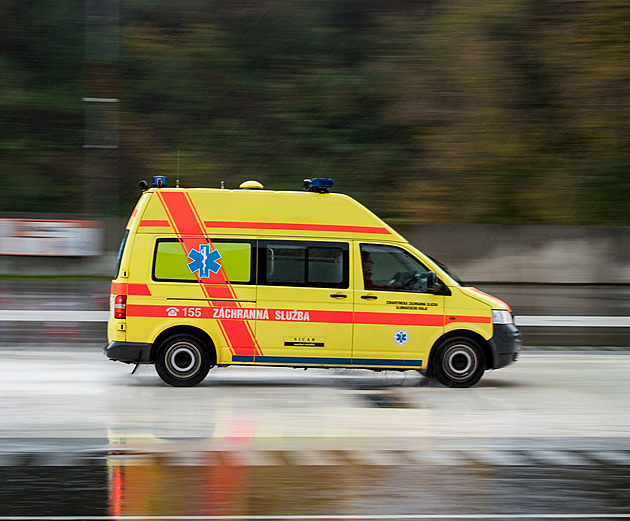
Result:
pixel 120 253
pixel 303 263
pixel 171 261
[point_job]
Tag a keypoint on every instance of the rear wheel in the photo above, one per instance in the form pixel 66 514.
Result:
pixel 458 362
pixel 183 361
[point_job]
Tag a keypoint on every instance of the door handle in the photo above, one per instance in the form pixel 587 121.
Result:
pixel 369 297
pixel 339 295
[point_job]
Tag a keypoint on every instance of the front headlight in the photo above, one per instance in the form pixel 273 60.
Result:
pixel 501 316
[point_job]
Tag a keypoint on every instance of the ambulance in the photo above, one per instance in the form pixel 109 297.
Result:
pixel 217 277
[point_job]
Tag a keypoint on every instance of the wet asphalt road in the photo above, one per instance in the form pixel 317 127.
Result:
pixel 80 436
pixel 546 438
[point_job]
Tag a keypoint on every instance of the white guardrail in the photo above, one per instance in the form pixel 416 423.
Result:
pixel 49 315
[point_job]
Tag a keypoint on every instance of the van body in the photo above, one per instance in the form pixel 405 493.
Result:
pixel 215 277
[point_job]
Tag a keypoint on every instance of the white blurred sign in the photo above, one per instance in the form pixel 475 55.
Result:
pixel 51 238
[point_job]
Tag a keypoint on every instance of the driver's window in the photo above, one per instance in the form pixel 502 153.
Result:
pixel 391 268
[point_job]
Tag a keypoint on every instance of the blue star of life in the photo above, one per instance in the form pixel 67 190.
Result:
pixel 401 337
pixel 204 261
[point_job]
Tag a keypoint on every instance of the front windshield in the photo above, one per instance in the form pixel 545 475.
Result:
pixel 447 271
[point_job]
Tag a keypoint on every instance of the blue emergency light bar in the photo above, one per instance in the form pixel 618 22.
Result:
pixel 318 184
pixel 159 181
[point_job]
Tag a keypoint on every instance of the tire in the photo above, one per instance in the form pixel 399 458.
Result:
pixel 183 361
pixel 459 362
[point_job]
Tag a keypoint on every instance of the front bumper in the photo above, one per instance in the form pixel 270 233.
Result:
pixel 506 344
pixel 129 352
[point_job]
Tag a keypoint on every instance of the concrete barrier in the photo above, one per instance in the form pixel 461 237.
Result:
pixel 527 254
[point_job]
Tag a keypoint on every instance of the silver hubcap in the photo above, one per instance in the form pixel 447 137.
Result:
pixel 183 359
pixel 460 362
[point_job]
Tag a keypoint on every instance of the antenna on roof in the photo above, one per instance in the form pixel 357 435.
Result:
pixel 177 182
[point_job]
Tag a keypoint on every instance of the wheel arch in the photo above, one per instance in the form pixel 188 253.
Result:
pixel 185 330
pixel 483 343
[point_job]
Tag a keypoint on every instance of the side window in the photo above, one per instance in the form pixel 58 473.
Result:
pixel 392 269
pixel 120 253
pixel 304 263
pixel 170 261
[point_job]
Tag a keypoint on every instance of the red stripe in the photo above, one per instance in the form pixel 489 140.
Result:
pixel 395 319
pixel 186 249
pixel 138 289
pixel 181 210
pixel 122 288
pixel 181 213
pixel 288 315
pixel 186 224
pixel 461 319
pixel 298 226
pixel 154 223
pixel 118 288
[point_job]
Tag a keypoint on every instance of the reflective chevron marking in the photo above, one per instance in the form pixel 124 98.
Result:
pixel 324 457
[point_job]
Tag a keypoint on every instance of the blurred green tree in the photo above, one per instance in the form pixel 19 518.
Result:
pixel 513 111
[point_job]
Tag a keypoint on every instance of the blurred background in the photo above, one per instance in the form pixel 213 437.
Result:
pixel 494 135
pixel 514 112
pixel 511 112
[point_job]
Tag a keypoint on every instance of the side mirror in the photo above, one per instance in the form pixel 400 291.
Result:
pixel 432 284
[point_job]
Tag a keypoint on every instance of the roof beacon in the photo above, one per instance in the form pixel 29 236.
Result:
pixel 251 185
pixel 318 184
pixel 159 181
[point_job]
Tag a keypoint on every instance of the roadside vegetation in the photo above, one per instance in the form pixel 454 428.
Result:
pixel 512 111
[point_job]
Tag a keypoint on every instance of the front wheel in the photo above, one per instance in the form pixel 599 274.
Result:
pixel 183 361
pixel 459 362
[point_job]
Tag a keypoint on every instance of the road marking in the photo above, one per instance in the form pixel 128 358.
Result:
pixel 611 457
pixel 254 458
pixel 376 457
pixel 325 457
pixel 501 458
pixel 312 457
pixel 307 517
pixel 561 458
pixel 438 457
pixel 50 315
pixel 571 321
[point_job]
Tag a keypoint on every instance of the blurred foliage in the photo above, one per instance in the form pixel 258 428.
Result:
pixel 513 111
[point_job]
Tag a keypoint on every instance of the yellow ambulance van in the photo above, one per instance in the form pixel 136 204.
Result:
pixel 217 277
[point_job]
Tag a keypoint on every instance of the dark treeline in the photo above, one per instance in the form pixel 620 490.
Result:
pixel 432 110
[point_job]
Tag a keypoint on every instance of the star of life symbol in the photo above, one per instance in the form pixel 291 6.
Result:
pixel 401 337
pixel 204 261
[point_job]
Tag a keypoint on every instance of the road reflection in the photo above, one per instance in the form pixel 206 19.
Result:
pixel 219 484
pixel 155 488
pixel 245 444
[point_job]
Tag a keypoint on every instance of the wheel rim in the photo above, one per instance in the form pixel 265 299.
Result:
pixel 460 362
pixel 183 359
